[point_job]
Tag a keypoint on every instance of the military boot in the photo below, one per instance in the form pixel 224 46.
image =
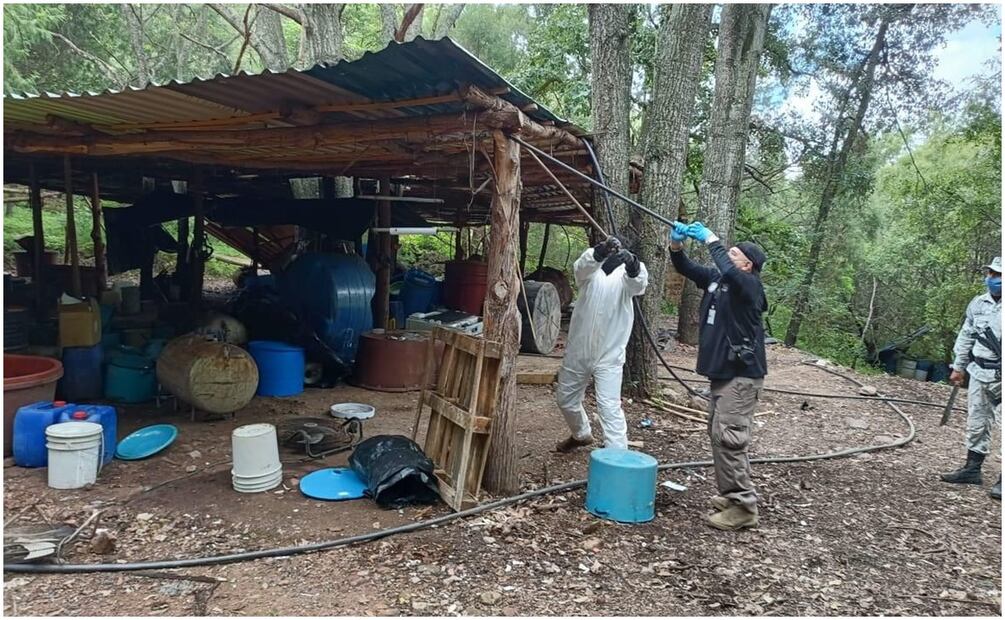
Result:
pixel 571 443
pixel 996 491
pixel 969 473
pixel 719 502
pixel 733 518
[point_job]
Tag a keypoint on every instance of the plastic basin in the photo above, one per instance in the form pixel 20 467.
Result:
pixel 26 379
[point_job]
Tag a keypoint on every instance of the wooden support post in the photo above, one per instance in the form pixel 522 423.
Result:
pixel 544 246
pixel 502 318
pixel 100 260
pixel 524 232
pixel 381 300
pixel 182 261
pixel 71 229
pixel 459 244
pixel 197 189
pixel 38 246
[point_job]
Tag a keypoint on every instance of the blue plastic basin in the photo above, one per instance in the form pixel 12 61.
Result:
pixel 621 485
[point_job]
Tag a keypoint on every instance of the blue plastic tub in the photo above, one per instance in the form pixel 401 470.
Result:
pixel 280 367
pixel 621 485
pixel 104 415
pixel 81 373
pixel 130 378
pixel 30 423
pixel 418 292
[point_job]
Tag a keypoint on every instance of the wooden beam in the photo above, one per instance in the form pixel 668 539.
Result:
pixel 198 263
pixel 100 260
pixel 502 317
pixel 71 229
pixel 381 299
pixel 409 130
pixel 38 244
pixel 501 114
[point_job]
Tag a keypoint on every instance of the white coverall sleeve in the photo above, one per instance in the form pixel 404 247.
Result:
pixel 637 285
pixel 584 267
pixel 965 341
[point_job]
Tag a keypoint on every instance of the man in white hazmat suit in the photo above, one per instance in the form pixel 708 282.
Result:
pixel 607 277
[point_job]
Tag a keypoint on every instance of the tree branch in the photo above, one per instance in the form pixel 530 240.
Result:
pixel 285 11
pixel 109 71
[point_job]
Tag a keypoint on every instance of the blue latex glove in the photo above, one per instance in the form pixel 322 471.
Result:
pixel 678 232
pixel 698 231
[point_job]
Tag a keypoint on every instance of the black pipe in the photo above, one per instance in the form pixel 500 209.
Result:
pixel 595 182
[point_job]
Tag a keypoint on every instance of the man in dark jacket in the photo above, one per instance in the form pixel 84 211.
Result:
pixel 731 355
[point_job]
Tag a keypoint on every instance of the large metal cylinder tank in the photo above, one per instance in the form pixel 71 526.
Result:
pixel 211 376
pixel 332 293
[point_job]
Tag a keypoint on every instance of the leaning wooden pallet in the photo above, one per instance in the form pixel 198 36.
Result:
pixel 461 406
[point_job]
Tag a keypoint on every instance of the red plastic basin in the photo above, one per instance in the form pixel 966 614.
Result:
pixel 26 379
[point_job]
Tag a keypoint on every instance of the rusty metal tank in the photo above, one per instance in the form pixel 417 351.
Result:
pixel 393 360
pixel 464 285
pixel 215 377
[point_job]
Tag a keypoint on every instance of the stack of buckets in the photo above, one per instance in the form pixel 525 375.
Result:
pixel 80 339
pixel 256 458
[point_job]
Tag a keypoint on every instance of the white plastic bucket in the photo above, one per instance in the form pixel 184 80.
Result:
pixel 256 465
pixel 74 453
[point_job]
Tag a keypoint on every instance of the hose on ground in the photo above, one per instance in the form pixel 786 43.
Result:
pixel 231 558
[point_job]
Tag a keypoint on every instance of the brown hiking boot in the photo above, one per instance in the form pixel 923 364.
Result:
pixel 733 518
pixel 719 502
pixel 571 443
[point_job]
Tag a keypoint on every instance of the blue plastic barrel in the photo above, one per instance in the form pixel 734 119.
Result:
pixel 104 415
pixel 111 341
pixel 81 373
pixel 107 312
pixel 418 291
pixel 30 423
pixel 621 485
pixel 130 378
pixel 280 367
pixel 396 311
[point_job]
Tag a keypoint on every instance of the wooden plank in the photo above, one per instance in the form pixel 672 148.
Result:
pixel 71 229
pixel 460 417
pixel 430 355
pixel 465 460
pixel 537 378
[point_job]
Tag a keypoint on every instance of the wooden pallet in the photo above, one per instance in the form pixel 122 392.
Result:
pixel 461 406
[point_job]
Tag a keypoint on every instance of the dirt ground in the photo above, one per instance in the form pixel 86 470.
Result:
pixel 875 534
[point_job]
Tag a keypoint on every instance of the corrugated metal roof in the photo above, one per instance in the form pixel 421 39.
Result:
pixel 412 70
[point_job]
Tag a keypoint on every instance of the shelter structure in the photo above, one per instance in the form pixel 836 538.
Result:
pixel 422 126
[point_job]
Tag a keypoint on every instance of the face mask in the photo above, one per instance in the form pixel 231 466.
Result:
pixel 994 285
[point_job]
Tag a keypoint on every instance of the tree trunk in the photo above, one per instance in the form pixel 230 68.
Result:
pixel 323 34
pixel 610 59
pixel 265 37
pixel 38 242
pixel 741 39
pixel 502 317
pixel 133 16
pixel 446 18
pixel 846 135
pixel 198 262
pixel 680 45
pixel 414 27
pixel 384 265
pixel 388 22
pixel 100 262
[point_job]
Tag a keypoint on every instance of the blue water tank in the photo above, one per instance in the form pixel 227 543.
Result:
pixel 280 367
pixel 418 291
pixel 30 423
pixel 81 373
pixel 332 293
pixel 104 415
pixel 621 485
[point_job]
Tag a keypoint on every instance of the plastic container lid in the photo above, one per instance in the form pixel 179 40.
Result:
pixel 333 484
pixel 143 443
pixel 73 430
pixel 59 403
pixel 79 415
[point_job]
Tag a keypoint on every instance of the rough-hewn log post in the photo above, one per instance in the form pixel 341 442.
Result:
pixel 100 264
pixel 524 233
pixel 38 247
pixel 71 229
pixel 198 263
pixel 502 318
pixel 381 300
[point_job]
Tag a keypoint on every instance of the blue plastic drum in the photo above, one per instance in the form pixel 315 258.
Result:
pixel 280 367
pixel 621 485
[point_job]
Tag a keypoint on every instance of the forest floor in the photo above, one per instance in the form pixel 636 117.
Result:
pixel 875 534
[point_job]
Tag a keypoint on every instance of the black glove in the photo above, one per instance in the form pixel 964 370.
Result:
pixel 605 248
pixel 622 257
pixel 632 265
